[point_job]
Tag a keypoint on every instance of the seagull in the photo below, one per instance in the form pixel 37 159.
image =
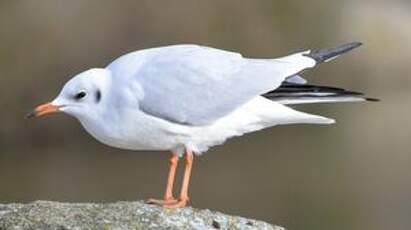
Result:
pixel 187 98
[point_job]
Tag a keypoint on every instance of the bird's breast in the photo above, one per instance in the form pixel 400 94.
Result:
pixel 131 130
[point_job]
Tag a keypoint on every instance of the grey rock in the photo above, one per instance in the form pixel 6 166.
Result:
pixel 49 215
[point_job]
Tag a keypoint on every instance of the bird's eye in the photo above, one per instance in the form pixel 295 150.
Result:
pixel 80 95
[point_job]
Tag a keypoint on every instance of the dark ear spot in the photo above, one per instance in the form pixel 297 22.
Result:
pixel 98 96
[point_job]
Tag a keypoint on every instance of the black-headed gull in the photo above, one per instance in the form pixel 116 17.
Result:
pixel 188 98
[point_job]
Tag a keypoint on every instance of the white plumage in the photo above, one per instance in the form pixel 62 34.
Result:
pixel 183 96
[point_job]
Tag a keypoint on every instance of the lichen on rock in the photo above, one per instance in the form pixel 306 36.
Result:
pixel 49 215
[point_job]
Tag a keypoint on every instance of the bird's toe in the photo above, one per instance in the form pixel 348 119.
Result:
pixel 181 203
pixel 164 202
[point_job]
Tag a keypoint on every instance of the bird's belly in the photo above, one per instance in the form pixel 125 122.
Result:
pixel 134 133
pixel 134 142
pixel 135 130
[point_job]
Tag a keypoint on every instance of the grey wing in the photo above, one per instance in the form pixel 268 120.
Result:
pixel 197 85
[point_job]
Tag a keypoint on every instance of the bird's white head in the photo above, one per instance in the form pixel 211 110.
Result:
pixel 81 97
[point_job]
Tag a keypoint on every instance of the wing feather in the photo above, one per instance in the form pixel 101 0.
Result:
pixel 197 85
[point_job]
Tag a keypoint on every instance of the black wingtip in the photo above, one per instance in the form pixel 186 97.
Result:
pixel 372 99
pixel 328 54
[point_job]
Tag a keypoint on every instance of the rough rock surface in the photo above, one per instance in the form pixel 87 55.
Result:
pixel 120 215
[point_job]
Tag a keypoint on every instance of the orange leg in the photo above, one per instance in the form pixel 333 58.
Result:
pixel 183 199
pixel 168 196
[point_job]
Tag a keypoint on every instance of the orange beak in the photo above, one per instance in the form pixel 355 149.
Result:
pixel 43 109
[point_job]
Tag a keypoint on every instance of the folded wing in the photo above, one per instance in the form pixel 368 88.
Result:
pixel 196 85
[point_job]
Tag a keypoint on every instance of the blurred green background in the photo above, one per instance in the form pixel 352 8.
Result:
pixel 352 175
